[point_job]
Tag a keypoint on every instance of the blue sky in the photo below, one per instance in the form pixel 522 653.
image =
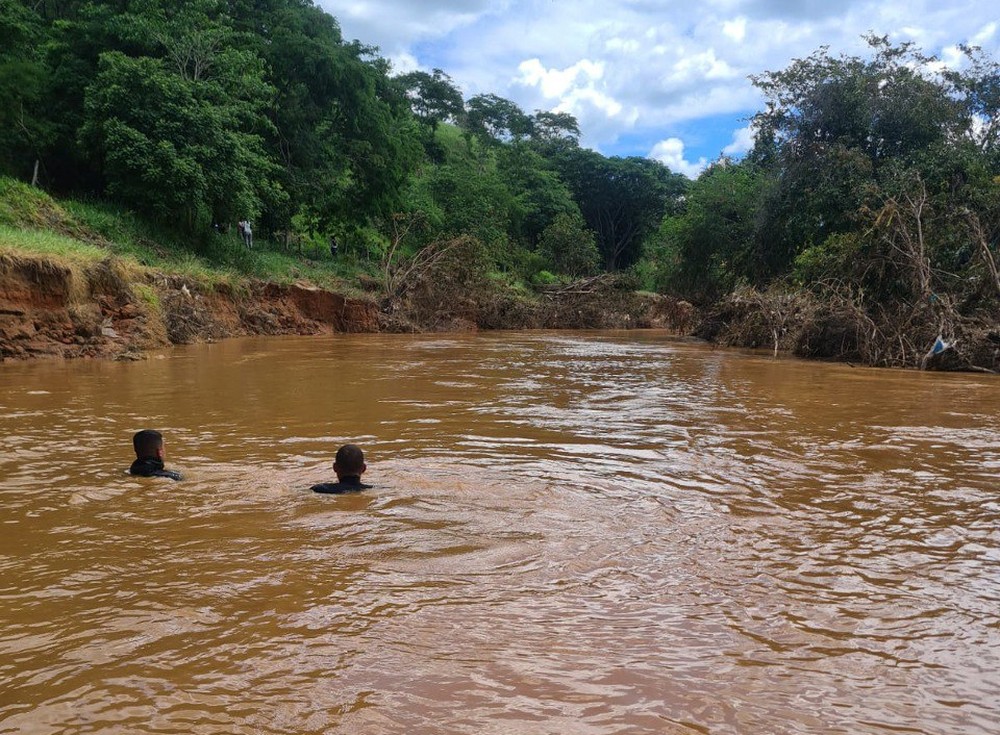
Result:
pixel 665 79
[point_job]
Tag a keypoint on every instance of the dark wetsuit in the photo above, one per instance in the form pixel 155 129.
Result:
pixel 152 467
pixel 349 484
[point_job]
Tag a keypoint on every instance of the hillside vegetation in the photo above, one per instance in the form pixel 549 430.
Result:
pixel 197 115
pixel 864 224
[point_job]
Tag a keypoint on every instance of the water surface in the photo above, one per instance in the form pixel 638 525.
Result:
pixel 570 533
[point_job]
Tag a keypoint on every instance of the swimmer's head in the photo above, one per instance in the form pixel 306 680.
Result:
pixel 148 444
pixel 350 461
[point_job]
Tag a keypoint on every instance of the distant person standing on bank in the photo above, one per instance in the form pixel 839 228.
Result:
pixel 333 247
pixel 248 234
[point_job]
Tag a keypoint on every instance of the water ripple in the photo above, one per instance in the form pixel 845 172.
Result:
pixel 569 534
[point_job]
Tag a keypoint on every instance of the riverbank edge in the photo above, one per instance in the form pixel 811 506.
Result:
pixel 925 336
pixel 62 307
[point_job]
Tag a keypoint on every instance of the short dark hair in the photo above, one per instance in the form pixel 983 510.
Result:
pixel 350 458
pixel 146 442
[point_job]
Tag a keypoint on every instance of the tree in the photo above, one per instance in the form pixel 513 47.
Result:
pixel 977 88
pixel 179 148
pixel 569 246
pixel 25 130
pixel 343 128
pixel 539 195
pixel 622 199
pixel 473 200
pixel 834 128
pixel 193 39
pixel 704 251
pixel 494 119
pixel 433 97
pixel 884 106
pixel 550 126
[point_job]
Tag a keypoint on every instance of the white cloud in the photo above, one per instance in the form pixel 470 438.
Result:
pixel 735 29
pixel 951 57
pixel 670 152
pixel 558 82
pixel 743 140
pixel 986 34
pixel 576 100
pixel 404 62
pixel 578 90
pixel 393 25
pixel 704 65
pixel 624 45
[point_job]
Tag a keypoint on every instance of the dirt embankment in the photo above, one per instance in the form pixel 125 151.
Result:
pixel 55 308
pixel 113 309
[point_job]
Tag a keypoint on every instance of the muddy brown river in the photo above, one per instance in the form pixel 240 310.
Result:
pixel 596 533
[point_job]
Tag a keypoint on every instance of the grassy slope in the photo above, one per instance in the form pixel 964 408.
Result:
pixel 31 222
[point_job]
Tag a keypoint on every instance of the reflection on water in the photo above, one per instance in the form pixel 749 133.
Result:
pixel 600 533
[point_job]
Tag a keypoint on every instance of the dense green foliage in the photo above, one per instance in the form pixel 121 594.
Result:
pixel 195 115
pixel 872 178
pixel 874 181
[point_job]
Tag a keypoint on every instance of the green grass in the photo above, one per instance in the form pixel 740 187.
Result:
pixel 25 206
pixel 148 295
pixel 125 233
pixel 213 256
pixel 15 203
pixel 17 240
pixel 32 222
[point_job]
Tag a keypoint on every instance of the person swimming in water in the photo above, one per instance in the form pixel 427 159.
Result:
pixel 349 465
pixel 148 445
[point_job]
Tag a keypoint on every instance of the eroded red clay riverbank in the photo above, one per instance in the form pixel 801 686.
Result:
pixel 54 307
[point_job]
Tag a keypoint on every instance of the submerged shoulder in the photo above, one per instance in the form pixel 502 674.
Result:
pixel 144 468
pixel 339 488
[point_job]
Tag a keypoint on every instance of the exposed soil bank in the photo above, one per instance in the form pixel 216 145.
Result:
pixel 52 307
pixel 55 308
